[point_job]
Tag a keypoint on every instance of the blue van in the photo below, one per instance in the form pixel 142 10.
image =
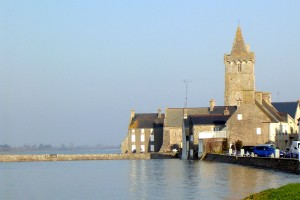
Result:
pixel 264 150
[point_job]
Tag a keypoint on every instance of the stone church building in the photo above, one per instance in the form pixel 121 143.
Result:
pixel 256 120
pixel 248 115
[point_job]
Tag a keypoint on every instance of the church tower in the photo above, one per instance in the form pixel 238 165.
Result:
pixel 239 73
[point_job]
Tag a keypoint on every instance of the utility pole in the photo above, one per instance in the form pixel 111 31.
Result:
pixel 186 92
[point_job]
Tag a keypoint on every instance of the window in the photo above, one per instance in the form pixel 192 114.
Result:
pixel 142 136
pixel 217 128
pixel 152 137
pixel 133 149
pixel 239 67
pixel 239 117
pixel 142 148
pixel 152 147
pixel 191 138
pixel 258 131
pixel 133 135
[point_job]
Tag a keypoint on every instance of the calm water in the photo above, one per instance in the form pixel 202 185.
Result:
pixel 134 179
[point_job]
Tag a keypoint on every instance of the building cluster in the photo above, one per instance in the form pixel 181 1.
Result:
pixel 248 116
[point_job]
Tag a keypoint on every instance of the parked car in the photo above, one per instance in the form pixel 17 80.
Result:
pixel 264 150
pixel 248 150
pixel 294 150
pixel 289 153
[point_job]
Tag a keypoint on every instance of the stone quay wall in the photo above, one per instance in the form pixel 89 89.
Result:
pixel 72 157
pixel 281 164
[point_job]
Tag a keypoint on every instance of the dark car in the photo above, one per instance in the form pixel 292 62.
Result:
pixel 288 153
pixel 248 149
pixel 264 151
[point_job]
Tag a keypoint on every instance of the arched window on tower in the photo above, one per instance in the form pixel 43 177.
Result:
pixel 239 67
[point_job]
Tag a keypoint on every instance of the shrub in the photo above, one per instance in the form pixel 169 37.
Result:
pixel 224 145
pixel 238 145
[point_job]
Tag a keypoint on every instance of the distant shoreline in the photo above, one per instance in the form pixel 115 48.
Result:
pixel 63 151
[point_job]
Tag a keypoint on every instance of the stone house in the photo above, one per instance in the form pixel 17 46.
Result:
pixel 252 122
pixel 172 132
pixel 173 123
pixel 145 133
pixel 206 132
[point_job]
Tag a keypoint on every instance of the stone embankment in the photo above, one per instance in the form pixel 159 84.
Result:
pixel 281 164
pixel 70 157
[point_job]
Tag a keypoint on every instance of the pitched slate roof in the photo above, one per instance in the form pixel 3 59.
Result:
pixel 270 111
pixel 220 109
pixel 214 119
pixel 286 107
pixel 174 116
pixel 147 120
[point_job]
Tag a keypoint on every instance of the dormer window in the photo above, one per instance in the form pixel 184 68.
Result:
pixel 217 128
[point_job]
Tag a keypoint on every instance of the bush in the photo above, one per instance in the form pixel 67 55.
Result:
pixel 224 145
pixel 238 145
pixel 174 146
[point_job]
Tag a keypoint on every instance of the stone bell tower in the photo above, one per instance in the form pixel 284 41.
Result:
pixel 239 73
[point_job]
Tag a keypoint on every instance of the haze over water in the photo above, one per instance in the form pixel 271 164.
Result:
pixel 135 179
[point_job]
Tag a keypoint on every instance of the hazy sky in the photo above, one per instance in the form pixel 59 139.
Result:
pixel 71 71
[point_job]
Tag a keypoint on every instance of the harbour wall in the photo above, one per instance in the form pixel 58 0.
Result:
pixel 71 157
pixel 281 164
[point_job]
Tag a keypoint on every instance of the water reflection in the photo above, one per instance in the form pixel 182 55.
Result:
pixel 135 179
pixel 178 179
pixel 145 179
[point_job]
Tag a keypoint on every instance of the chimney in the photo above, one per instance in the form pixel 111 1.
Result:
pixel 132 113
pixel 267 97
pixel 159 113
pixel 212 104
pixel 226 111
pixel 259 97
pixel 166 110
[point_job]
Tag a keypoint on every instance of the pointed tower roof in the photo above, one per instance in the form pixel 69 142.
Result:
pixel 239 49
pixel 239 44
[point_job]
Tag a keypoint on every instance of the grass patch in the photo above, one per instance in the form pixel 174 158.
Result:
pixel 290 191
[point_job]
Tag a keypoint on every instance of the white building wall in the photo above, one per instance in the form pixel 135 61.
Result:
pixel 279 134
pixel 273 129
